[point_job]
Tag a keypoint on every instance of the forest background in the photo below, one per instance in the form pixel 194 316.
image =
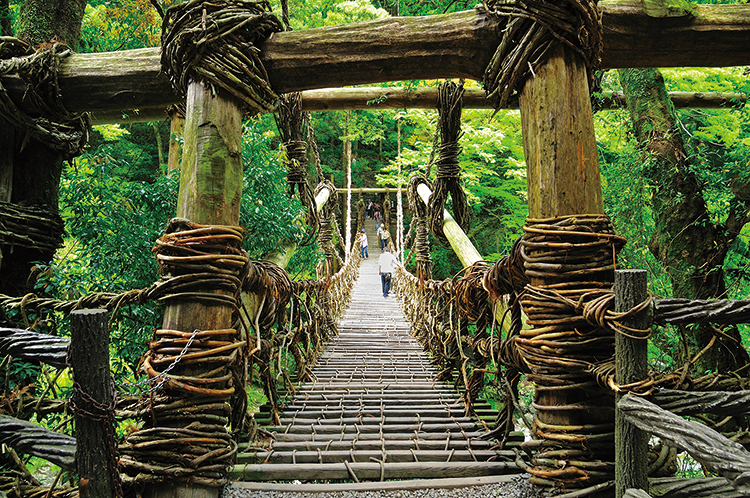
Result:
pixel 675 183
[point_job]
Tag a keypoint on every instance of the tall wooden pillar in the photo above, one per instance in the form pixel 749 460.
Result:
pixel 558 138
pixel 563 179
pixel 210 193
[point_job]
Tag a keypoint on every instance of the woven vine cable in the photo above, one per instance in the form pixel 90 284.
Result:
pixel 448 175
pixel 529 29
pixel 325 233
pixel 360 214
pixel 574 257
pixel 50 123
pixel 289 120
pixel 421 241
pixel 216 43
pixel 185 435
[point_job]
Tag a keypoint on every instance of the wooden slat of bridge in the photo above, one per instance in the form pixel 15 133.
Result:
pixel 374 410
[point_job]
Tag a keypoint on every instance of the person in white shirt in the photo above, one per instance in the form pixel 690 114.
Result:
pixel 363 244
pixel 385 269
pixel 379 233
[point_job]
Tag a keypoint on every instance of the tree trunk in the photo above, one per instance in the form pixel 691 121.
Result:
pixel 210 193
pixel 41 21
pixel 37 168
pixel 159 145
pixel 563 179
pixel 690 248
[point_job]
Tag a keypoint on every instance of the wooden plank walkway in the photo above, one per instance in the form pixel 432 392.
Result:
pixel 375 411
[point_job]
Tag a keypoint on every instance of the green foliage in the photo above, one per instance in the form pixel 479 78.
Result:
pixel 423 7
pixel 318 13
pixel 493 174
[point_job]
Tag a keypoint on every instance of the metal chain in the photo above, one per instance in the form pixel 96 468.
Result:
pixel 163 374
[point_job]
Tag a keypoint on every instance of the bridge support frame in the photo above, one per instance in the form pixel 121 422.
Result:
pixel 563 179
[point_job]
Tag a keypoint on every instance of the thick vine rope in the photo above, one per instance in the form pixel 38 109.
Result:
pixel 216 42
pixel 289 120
pixel 447 177
pixel 186 435
pixel 51 123
pixel 530 30
pixel 421 240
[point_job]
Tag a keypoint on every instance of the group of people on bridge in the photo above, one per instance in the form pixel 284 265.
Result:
pixel 374 211
pixel 386 261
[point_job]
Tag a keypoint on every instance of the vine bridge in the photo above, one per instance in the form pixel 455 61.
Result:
pixel 360 386
pixel 374 409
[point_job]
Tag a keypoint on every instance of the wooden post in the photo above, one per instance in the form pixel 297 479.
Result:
pixel 95 442
pixel 558 139
pixel 631 362
pixel 210 193
pixel 563 179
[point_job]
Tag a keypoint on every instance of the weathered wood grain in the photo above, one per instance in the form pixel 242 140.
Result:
pixel 631 363
pixel 728 458
pixel 407 48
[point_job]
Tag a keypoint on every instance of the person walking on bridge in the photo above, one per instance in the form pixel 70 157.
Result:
pixel 385 269
pixel 363 244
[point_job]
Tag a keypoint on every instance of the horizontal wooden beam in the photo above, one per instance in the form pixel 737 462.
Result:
pixel 343 99
pixel 457 45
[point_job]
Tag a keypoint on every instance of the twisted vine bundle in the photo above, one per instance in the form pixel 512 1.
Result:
pixel 215 42
pixel 447 177
pixel 289 119
pixel 39 70
pixel 421 238
pixel 531 29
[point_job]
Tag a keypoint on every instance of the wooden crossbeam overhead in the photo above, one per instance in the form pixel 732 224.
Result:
pixel 408 48
pixel 342 99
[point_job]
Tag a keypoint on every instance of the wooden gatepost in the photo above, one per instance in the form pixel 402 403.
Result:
pixel 570 249
pixel 203 382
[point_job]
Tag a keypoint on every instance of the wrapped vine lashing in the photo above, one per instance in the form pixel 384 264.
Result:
pixel 448 175
pixel 194 374
pixel 571 257
pixel 50 123
pixel 421 229
pixel 215 42
pixel 289 120
pixel 529 30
